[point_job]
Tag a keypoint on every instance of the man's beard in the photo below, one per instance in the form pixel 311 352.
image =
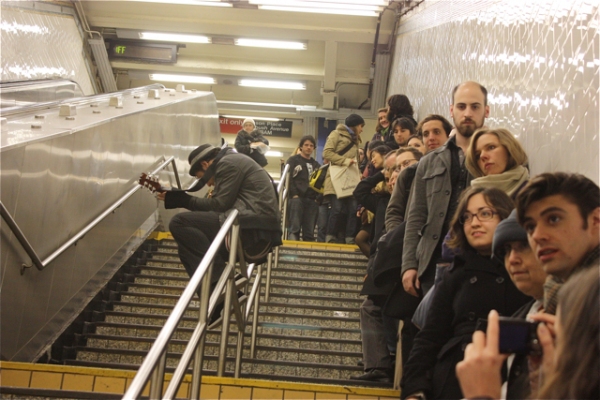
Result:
pixel 468 130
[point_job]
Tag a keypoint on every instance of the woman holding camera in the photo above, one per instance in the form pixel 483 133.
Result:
pixel 471 287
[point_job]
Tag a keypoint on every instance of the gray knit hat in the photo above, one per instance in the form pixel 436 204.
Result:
pixel 507 230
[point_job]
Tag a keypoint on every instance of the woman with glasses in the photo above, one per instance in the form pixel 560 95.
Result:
pixel 495 158
pixel 470 288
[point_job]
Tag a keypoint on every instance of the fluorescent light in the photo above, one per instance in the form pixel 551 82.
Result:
pixel 271 153
pixel 302 4
pixel 174 37
pixel 214 3
pixel 382 3
pixel 272 44
pixel 255 118
pixel 272 84
pixel 182 78
pixel 321 11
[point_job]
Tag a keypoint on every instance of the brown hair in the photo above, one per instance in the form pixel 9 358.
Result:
pixel 516 153
pixel 434 117
pixel 495 198
pixel 577 367
pixel 378 127
pixel 576 188
pixel 407 149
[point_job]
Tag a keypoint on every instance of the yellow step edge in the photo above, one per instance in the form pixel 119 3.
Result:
pixel 210 380
pixel 296 243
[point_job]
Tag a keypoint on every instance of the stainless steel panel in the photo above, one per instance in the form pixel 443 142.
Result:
pixel 58 177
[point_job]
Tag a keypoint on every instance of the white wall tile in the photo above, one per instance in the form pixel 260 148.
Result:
pixel 539 60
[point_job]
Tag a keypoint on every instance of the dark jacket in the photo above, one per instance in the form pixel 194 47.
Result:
pixel 242 185
pixel 243 142
pixel 374 202
pixel 469 290
pixel 398 205
pixel 300 170
pixel 518 379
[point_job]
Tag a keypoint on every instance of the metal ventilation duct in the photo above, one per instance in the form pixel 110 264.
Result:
pixel 104 69
pixel 380 81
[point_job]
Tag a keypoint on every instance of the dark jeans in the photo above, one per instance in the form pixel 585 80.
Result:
pixel 339 207
pixel 303 216
pixel 194 232
pixel 324 210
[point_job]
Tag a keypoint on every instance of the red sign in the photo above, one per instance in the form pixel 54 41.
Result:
pixel 230 125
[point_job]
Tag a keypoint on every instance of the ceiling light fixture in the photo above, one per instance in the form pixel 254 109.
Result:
pixel 272 84
pixel 272 153
pixel 271 44
pixel 255 118
pixel 320 5
pixel 321 11
pixel 382 3
pixel 182 78
pixel 213 3
pixel 174 37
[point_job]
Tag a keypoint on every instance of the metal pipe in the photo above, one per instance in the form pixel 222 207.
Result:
pixel 255 296
pixel 140 379
pixel 158 377
pixel 229 293
pixel 22 239
pixel 284 200
pixel 268 282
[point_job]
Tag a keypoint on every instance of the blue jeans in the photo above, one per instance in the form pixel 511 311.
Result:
pixel 340 208
pixel 303 217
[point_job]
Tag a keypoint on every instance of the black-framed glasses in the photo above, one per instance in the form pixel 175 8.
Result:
pixel 484 214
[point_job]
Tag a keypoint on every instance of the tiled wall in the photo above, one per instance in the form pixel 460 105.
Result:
pixel 538 59
pixel 52 39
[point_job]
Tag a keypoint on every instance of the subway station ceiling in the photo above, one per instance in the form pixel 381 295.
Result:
pixel 334 67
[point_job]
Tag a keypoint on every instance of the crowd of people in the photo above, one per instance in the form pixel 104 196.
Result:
pixel 457 233
pixel 458 237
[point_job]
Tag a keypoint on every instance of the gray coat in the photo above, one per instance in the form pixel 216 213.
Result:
pixel 430 197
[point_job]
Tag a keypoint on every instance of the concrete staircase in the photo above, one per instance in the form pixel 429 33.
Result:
pixel 308 331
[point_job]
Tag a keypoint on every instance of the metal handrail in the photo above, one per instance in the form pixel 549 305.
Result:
pixel 273 259
pixel 41 264
pixel 153 366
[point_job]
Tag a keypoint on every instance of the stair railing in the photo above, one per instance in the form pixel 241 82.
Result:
pixel 273 259
pixel 153 367
pixel 41 264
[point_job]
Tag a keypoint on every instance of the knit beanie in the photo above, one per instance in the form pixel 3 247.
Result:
pixel 249 120
pixel 354 120
pixel 508 230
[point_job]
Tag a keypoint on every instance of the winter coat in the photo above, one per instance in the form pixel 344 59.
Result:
pixel 469 290
pixel 336 142
pixel 243 142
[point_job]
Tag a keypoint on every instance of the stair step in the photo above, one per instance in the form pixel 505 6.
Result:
pixel 283 271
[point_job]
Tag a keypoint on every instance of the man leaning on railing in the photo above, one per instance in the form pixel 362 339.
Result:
pixel 239 183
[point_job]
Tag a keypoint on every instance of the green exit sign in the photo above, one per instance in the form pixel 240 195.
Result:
pixel 142 51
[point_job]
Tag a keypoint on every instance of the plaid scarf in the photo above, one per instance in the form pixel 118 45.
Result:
pixel 553 283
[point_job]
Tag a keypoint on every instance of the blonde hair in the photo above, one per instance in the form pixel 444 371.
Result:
pixel 516 153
